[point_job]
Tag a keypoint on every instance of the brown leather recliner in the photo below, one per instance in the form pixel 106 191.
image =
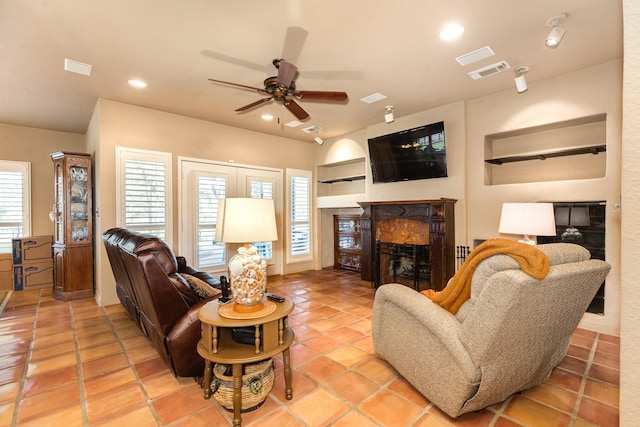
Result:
pixel 157 297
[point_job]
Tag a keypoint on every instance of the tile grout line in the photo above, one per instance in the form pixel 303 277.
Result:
pixel 81 386
pixel 23 378
pixel 148 400
pixel 583 382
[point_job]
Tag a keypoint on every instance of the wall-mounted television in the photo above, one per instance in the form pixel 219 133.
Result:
pixel 418 153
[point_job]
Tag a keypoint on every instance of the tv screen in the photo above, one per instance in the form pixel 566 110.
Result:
pixel 418 153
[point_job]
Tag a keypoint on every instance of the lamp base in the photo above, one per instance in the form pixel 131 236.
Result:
pixel 248 279
pixel 247 308
pixel 527 241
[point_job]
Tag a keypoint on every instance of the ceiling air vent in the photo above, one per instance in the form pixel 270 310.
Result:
pixel 475 56
pixel 483 72
pixel 313 128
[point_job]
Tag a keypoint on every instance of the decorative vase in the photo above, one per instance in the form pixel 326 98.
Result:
pixel 248 279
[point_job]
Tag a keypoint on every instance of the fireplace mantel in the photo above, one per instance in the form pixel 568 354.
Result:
pixel 438 214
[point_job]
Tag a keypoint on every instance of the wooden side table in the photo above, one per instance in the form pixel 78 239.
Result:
pixel 218 346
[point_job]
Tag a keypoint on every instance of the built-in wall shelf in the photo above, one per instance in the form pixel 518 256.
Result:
pixel 342 179
pixel 592 149
pixel 509 157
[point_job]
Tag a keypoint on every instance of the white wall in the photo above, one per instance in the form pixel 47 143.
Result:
pixel 554 100
pixel 630 255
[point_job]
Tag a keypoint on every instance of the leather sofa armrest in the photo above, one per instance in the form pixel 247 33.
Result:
pixel 182 341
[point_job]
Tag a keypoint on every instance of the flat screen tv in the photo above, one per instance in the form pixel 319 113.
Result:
pixel 418 153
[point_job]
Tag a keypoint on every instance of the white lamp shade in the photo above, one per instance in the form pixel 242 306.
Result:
pixel 531 219
pixel 244 220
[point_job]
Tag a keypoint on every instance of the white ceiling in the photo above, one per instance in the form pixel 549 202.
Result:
pixel 358 46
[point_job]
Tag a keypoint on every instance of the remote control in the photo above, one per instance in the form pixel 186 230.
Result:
pixel 276 298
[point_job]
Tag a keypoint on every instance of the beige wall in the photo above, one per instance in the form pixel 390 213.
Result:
pixel 115 124
pixel 478 207
pixel 630 255
pixel 32 145
pixel 355 145
pixel 554 100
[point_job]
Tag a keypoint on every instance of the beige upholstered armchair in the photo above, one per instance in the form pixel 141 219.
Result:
pixel 505 338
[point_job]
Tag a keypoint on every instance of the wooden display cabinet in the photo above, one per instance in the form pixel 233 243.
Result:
pixel 73 226
pixel 347 242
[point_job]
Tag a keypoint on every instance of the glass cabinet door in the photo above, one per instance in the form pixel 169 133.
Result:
pixel 59 204
pixel 79 204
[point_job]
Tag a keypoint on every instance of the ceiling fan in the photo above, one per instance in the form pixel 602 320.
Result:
pixel 282 89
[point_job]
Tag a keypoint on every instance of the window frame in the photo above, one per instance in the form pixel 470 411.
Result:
pixel 24 168
pixel 123 154
pixel 290 256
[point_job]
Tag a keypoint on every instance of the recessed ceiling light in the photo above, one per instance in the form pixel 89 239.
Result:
pixel 266 116
pixel 293 123
pixel 451 32
pixel 137 83
pixel 374 97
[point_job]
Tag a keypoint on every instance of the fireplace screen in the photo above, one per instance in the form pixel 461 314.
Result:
pixel 403 263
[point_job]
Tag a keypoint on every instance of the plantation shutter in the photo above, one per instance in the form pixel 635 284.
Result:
pixel 300 191
pixel 210 190
pixel 14 203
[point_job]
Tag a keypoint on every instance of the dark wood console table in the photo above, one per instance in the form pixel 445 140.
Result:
pixel 439 234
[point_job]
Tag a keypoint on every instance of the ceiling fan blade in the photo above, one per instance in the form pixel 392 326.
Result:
pixel 296 109
pixel 236 61
pixel 318 95
pixel 254 104
pixel 293 43
pixel 256 89
pixel 286 73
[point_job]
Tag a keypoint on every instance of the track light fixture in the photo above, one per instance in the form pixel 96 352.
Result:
pixel 388 114
pixel 557 32
pixel 521 81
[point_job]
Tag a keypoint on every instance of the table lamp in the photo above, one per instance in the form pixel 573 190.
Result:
pixel 245 220
pixel 528 219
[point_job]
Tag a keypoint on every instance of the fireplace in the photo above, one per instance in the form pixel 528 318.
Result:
pixel 409 242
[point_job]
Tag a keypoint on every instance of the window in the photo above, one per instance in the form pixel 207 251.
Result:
pixel 202 184
pixel 262 190
pixel 144 191
pixel 210 190
pixel 299 235
pixel 15 203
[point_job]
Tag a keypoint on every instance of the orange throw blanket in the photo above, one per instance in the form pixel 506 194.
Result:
pixel 532 261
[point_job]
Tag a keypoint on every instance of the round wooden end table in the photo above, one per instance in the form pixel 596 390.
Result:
pixel 272 336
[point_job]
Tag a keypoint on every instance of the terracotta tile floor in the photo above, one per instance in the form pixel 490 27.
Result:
pixel 76 364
